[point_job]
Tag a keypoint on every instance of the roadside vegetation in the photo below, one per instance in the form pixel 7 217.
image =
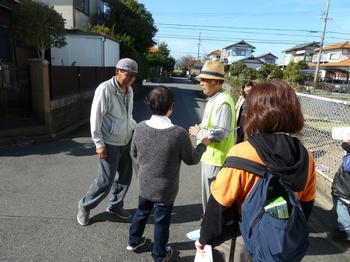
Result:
pixel 38 26
pixel 133 26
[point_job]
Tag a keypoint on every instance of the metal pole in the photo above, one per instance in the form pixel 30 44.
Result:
pixel 199 44
pixel 321 44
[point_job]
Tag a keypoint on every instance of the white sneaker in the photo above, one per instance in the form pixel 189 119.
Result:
pixel 83 215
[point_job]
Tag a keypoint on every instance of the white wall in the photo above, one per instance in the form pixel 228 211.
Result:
pixel 65 8
pixel 288 58
pixel 111 53
pixel 86 50
pixel 81 49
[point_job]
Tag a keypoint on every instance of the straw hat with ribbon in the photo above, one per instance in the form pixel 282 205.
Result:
pixel 212 70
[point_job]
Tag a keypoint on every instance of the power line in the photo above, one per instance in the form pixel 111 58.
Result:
pixel 216 27
pixel 236 27
pixel 220 39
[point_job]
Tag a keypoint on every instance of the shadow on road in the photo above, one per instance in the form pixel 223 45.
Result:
pixel 180 214
pixel 322 222
pixel 77 143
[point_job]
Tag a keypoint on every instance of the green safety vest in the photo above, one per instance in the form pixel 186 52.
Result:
pixel 216 152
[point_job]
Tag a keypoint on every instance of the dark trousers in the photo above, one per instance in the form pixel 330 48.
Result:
pixel 162 216
pixel 114 173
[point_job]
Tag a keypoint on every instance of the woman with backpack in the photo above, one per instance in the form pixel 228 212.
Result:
pixel 274 114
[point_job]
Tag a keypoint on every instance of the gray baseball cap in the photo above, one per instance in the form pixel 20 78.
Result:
pixel 128 65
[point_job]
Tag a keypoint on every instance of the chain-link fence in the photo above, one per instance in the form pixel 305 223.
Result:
pixel 321 115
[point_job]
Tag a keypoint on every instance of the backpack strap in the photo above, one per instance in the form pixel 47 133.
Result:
pixel 246 165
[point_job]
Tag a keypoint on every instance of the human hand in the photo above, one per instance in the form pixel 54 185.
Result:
pixel 193 130
pixel 101 152
pixel 199 247
pixel 205 141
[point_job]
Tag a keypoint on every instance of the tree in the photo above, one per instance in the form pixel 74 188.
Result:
pixel 161 58
pixel 39 26
pixel 237 69
pixel 186 63
pixel 269 72
pixel 250 73
pixel 291 72
pixel 128 18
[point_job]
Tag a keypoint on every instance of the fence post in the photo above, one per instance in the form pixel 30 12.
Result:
pixel 3 89
pixel 40 85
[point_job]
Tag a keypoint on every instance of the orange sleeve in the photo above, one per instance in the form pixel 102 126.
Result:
pixel 231 185
pixel 309 192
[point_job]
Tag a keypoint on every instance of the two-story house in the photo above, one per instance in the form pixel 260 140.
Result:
pixel 268 58
pixel 77 13
pixel 215 55
pixel 302 52
pixel 334 61
pixel 237 51
pixel 83 48
pixel 257 61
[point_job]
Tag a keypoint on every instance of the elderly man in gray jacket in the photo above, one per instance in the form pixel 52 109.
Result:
pixel 112 126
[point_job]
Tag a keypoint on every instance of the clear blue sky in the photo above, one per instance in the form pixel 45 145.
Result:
pixel 269 25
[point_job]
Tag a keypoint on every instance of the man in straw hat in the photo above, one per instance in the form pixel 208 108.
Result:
pixel 217 124
pixel 112 126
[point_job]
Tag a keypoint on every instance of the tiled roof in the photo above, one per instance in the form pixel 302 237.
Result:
pixel 259 56
pixel 342 63
pixel 153 49
pixel 241 43
pixel 339 45
pixel 302 46
pixel 216 52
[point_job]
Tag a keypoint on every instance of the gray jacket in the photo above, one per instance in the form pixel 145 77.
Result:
pixel 159 153
pixel 111 118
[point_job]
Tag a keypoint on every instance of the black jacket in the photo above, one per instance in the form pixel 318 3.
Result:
pixel 341 181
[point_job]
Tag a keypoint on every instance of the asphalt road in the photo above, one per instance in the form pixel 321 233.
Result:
pixel 40 186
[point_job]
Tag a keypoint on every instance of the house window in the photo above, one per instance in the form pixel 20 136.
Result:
pixel 240 52
pixel 82 5
pixel 334 56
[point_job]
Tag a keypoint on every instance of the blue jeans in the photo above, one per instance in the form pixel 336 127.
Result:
pixel 162 216
pixel 343 214
pixel 113 173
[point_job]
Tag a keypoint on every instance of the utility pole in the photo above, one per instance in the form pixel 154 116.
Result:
pixel 322 40
pixel 199 45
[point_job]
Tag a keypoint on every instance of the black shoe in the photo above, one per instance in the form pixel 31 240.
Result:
pixel 169 254
pixel 341 235
pixel 134 247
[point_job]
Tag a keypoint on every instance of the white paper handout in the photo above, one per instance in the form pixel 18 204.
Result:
pixel 208 257
pixel 341 133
